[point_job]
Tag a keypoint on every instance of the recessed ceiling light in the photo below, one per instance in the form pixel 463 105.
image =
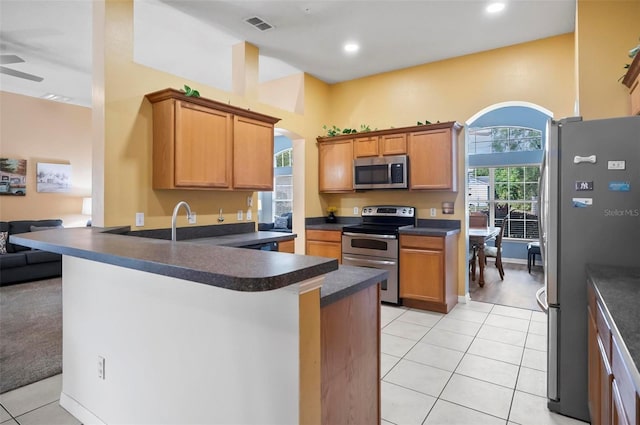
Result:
pixel 495 7
pixel 351 47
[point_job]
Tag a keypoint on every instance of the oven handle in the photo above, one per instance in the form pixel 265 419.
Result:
pixel 366 260
pixel 367 235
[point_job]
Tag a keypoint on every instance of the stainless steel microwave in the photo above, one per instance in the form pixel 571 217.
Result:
pixel 380 172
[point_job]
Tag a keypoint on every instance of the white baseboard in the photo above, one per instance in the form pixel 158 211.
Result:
pixel 464 299
pixel 78 411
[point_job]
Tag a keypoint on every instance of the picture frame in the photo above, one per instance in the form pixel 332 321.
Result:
pixel 13 177
pixel 55 178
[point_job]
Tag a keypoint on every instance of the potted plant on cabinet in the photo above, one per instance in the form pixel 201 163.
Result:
pixel 331 218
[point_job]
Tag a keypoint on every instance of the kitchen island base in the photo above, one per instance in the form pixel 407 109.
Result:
pixel 176 351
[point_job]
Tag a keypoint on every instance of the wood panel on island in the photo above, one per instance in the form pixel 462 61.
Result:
pixel 431 150
pixel 200 143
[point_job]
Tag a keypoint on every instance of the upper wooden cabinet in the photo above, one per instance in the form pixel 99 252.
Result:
pixel 431 150
pixel 335 166
pixel 252 154
pixel 433 158
pixel 199 143
pixel 632 80
pixel 386 144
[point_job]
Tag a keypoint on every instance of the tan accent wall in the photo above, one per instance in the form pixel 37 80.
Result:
pixel 41 130
pixel 128 133
pixel 608 30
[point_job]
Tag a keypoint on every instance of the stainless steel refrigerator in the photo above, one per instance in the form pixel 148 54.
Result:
pixel 590 213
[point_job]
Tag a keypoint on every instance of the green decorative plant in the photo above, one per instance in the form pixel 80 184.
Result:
pixel 425 122
pixel 632 54
pixel 336 131
pixel 191 92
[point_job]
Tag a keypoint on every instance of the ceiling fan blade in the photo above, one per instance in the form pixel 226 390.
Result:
pixel 7 59
pixel 13 72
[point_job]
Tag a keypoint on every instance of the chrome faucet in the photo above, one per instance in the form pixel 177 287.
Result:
pixel 175 215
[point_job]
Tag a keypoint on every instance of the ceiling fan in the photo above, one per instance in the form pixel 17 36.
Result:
pixel 9 59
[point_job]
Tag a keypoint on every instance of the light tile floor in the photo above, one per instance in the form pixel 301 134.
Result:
pixel 480 364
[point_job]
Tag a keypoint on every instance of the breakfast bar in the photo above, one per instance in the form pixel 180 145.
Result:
pixel 156 331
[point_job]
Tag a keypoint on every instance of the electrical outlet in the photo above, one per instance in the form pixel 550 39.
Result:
pixel 239 215
pixel 249 201
pixel 249 214
pixel 192 218
pixel 433 212
pixel 355 210
pixel 101 366
pixel 139 219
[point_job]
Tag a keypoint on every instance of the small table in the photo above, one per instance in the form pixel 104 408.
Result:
pixel 478 236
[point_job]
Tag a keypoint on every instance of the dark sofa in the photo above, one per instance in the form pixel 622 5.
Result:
pixel 282 224
pixel 22 264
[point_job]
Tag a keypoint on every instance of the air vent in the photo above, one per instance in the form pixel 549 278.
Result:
pixel 258 23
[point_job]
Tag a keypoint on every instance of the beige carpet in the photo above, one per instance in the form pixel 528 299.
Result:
pixel 30 332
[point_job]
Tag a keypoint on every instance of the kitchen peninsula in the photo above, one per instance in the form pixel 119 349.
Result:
pixel 156 331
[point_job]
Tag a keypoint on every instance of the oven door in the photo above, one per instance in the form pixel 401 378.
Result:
pixel 385 246
pixel 388 289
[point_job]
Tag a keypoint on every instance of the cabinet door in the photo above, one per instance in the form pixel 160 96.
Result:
pixel 431 160
pixel 594 369
pixel 286 246
pixel 252 154
pixel 325 249
pixel 393 144
pixel 618 415
pixel 422 274
pixel 335 166
pixel 202 147
pixel 634 93
pixel 606 378
pixel 365 146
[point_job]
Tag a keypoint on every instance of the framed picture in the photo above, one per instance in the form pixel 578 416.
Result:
pixel 53 177
pixel 13 176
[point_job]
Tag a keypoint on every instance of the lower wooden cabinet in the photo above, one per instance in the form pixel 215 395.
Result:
pixel 324 243
pixel 428 274
pixel 613 396
pixel 287 246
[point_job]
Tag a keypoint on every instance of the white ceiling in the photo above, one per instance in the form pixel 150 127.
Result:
pixel 54 37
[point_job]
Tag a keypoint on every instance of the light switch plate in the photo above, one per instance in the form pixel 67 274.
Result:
pixel 249 214
pixel 192 218
pixel 249 201
pixel 139 219
pixel 433 212
pixel 355 210
pixel 239 214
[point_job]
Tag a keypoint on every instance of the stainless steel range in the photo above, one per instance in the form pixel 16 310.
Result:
pixel 374 243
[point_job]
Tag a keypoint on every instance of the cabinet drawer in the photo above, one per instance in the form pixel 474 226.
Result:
pixel 604 330
pixel 324 235
pixel 623 378
pixel 425 242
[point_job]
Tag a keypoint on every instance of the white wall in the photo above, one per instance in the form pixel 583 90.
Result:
pixel 176 351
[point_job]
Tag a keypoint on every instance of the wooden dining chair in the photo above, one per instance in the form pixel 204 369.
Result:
pixel 496 251
pixel 478 220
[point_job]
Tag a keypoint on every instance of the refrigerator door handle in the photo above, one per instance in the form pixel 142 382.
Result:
pixel 540 293
pixel 552 354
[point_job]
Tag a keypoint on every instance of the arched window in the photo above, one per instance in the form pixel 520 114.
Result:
pixel 505 147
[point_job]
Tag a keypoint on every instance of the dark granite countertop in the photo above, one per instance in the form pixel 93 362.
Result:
pixel 326 226
pixel 428 231
pixel 225 267
pixel 619 290
pixel 348 280
pixel 244 239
